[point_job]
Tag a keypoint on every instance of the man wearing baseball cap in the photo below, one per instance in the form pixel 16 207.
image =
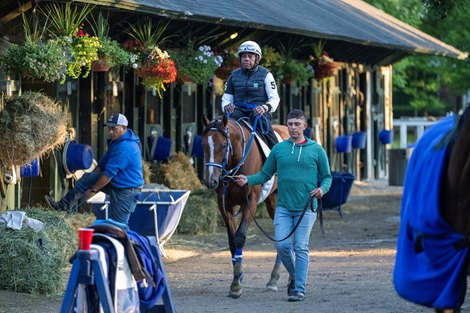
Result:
pixel 118 174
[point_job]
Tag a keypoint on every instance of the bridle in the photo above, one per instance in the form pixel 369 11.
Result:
pixel 227 174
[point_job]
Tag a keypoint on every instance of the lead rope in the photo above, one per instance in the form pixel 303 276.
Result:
pixel 309 203
pixel 228 175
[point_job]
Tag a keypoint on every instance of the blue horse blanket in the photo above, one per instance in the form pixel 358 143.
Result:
pixel 430 267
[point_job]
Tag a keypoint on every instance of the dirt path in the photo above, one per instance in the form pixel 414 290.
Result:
pixel 350 269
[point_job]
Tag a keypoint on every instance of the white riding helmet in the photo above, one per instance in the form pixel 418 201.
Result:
pixel 250 47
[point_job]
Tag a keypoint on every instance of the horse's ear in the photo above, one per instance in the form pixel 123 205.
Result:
pixel 224 120
pixel 205 121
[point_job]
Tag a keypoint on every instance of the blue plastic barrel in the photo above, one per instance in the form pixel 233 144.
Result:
pixel 386 136
pixel 197 149
pixel 163 149
pixel 30 170
pixel 77 156
pixel 359 140
pixel 339 190
pixel 344 143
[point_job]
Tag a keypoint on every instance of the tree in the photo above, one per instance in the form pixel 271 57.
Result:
pixel 421 77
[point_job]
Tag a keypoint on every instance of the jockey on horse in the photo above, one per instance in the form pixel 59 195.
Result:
pixel 251 91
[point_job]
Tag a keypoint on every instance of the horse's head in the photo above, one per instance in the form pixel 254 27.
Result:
pixel 217 147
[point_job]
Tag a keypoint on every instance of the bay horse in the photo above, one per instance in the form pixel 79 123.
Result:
pixel 432 259
pixel 226 144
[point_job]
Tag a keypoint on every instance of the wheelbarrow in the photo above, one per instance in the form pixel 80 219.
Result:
pixel 156 215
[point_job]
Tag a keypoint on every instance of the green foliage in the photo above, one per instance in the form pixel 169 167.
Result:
pixel 113 53
pixel 65 19
pixel 439 8
pixel 84 50
pixel 11 59
pixel 148 35
pixel 421 77
pixel 272 59
pixel 293 70
pixel 110 50
pixel 47 60
pixel 197 64
pixel 36 58
pixel 230 62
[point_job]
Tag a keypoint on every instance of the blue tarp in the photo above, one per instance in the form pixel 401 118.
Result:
pixel 430 269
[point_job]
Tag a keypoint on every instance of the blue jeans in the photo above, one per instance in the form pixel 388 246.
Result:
pixel 122 202
pixel 296 261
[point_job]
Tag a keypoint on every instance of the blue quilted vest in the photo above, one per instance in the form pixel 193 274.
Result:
pixel 249 86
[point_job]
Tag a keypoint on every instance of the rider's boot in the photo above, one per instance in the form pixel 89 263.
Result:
pixel 270 138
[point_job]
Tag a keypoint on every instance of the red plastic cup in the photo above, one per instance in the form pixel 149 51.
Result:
pixel 85 235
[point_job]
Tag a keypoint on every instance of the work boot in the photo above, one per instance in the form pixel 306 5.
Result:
pixel 297 296
pixel 52 204
pixel 290 287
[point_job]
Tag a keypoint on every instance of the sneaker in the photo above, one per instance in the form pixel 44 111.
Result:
pixel 290 287
pixel 52 204
pixel 297 296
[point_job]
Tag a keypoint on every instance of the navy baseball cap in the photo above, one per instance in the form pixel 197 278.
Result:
pixel 117 119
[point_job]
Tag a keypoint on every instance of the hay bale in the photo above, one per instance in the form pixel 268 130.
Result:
pixel 177 173
pixel 201 214
pixel 147 171
pixel 33 262
pixel 30 126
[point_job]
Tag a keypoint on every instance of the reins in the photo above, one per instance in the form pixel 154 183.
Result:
pixel 227 175
pixel 308 204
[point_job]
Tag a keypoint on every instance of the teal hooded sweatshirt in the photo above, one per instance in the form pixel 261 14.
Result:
pixel 299 168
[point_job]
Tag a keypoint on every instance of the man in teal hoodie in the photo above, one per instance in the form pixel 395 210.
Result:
pixel 303 170
pixel 118 174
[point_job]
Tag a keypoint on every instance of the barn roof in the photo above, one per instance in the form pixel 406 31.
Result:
pixel 355 31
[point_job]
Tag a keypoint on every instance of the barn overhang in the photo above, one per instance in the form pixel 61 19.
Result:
pixel 355 31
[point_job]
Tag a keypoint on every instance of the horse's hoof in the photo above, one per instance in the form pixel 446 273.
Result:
pixel 271 287
pixel 235 293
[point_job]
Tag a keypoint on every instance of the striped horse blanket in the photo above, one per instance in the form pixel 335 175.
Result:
pixel 431 261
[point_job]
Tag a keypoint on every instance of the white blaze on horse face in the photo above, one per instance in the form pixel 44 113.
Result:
pixel 210 141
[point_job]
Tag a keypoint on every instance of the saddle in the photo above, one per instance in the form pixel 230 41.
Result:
pixel 135 264
pixel 264 147
pixel 268 186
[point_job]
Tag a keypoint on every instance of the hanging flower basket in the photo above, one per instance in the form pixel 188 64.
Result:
pixel 322 64
pixel 230 63
pixel 323 67
pixel 184 79
pixel 156 70
pixel 100 65
pixel 196 64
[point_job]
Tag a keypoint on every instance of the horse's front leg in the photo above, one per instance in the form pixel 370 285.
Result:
pixel 247 212
pixel 231 225
pixel 239 240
